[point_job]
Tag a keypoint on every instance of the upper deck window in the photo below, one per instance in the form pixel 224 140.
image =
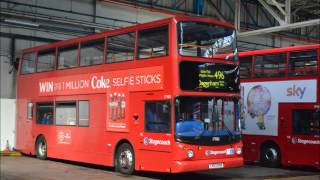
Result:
pixel 91 52
pixel 46 60
pixel 68 56
pixel 28 63
pixel 120 47
pixel 271 65
pixel 245 66
pixel 303 62
pixel 153 42
pixel 205 40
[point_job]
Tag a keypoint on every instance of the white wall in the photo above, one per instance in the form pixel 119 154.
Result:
pixel 7 123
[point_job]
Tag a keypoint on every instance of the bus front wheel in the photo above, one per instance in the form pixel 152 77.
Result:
pixel 41 148
pixel 125 160
pixel 270 156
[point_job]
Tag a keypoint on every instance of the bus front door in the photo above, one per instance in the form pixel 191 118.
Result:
pixel 302 140
pixel 152 122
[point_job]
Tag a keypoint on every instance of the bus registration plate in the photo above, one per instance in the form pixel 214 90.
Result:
pixel 216 165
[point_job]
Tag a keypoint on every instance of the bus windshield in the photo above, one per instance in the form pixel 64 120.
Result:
pixel 199 39
pixel 207 120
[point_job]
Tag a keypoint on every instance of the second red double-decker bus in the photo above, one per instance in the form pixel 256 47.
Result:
pixel 280 100
pixel 150 97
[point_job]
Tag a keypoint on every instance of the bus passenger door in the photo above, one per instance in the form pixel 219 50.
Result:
pixel 302 140
pixel 154 133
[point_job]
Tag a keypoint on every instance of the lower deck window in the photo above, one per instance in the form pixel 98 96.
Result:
pixel 83 113
pixel 66 113
pixel 158 116
pixel 306 121
pixel 45 113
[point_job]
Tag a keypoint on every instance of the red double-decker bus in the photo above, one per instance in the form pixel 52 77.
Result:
pixel 280 100
pixel 150 97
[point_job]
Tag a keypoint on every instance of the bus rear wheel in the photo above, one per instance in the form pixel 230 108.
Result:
pixel 270 156
pixel 41 148
pixel 125 160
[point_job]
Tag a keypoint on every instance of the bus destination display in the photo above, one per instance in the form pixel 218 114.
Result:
pixel 198 76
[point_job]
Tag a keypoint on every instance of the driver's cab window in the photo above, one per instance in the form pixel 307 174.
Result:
pixel 306 121
pixel 158 116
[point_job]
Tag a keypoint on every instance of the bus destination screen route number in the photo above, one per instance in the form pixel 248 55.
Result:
pixel 199 76
pixel 209 79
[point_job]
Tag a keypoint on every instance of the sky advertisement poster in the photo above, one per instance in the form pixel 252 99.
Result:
pixel 260 103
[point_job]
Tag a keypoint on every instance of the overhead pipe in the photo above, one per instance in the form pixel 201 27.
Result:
pixel 151 8
pixel 280 28
pixel 54 19
pixel 65 11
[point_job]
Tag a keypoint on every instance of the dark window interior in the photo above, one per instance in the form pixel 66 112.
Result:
pixel 91 52
pixel 45 113
pixel 68 56
pixel 303 63
pixel 158 116
pixel 306 121
pixel 153 42
pixel 120 47
pixel 273 65
pixel 245 67
pixel 28 63
pixel 46 60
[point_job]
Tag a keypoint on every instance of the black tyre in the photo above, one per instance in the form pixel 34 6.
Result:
pixel 270 156
pixel 125 160
pixel 41 148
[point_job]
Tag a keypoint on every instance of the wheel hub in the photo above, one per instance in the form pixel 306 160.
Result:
pixel 271 154
pixel 42 148
pixel 126 159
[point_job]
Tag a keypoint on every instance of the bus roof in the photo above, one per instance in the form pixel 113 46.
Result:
pixel 126 29
pixel 278 50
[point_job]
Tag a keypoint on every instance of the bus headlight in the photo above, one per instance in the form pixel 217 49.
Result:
pixel 239 151
pixel 190 153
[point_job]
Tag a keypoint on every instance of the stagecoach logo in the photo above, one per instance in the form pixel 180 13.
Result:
pixel 156 142
pixel 229 151
pixel 294 140
pixel 304 141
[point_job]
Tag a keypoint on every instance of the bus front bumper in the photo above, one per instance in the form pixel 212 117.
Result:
pixel 208 164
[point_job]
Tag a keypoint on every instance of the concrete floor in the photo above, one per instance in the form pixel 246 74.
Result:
pixel 29 168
